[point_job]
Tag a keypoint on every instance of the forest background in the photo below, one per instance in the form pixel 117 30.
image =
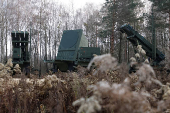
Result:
pixel 48 19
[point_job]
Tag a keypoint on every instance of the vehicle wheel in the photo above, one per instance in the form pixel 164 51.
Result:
pixel 70 67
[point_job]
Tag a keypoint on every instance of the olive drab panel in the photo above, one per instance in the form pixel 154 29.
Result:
pixel 70 43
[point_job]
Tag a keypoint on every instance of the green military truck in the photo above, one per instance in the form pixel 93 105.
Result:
pixel 73 50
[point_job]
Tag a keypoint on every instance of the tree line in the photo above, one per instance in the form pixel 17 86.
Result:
pixel 47 19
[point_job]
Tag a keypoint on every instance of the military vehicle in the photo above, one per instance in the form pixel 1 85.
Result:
pixel 21 56
pixel 73 50
pixel 135 38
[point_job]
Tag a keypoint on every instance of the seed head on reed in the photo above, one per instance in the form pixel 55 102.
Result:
pixel 103 63
pixel 147 75
pixel 89 105
pixel 137 55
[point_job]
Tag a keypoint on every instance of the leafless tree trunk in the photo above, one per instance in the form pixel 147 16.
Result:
pixel 6 40
pixel 40 36
pixel 125 51
pixel 49 43
pixel 2 39
pixel 169 29
pixel 120 47
pixel 112 36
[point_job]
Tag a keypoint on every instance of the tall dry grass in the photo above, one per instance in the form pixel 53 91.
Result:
pixel 104 87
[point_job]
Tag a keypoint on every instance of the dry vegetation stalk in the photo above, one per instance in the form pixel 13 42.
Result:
pixel 105 87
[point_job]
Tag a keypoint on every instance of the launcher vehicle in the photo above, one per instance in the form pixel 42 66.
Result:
pixel 20 41
pixel 135 38
pixel 73 51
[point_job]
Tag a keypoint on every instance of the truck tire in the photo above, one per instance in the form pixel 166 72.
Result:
pixel 70 67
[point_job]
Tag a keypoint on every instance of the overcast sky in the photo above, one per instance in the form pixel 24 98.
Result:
pixel 80 3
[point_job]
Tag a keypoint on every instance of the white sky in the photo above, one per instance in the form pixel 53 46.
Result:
pixel 80 3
